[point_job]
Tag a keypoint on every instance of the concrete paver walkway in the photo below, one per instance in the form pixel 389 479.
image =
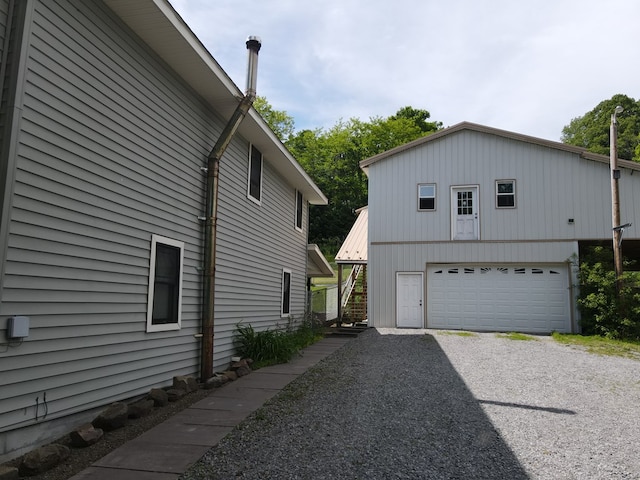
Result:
pixel 167 450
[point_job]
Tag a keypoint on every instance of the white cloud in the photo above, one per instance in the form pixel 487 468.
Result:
pixel 529 67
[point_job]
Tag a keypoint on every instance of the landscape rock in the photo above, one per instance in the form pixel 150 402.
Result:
pixel 231 375
pixel 241 368
pixel 216 381
pixel 140 408
pixel 8 473
pixel 159 397
pixel 85 435
pixel 43 459
pixel 175 394
pixel 186 383
pixel 115 416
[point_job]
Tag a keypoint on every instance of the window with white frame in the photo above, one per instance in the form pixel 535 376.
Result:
pixel 164 305
pixel 426 197
pixel 285 308
pixel 505 194
pixel 299 209
pixel 254 189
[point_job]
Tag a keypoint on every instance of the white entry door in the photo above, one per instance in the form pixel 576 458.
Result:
pixel 409 293
pixel 464 213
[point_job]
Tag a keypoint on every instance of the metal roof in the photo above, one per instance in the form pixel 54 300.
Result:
pixel 164 31
pixel 584 153
pixel 317 265
pixel 354 248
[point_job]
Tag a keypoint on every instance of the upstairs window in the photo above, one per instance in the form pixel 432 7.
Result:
pixel 505 194
pixel 426 197
pixel 299 207
pixel 255 175
pixel 165 284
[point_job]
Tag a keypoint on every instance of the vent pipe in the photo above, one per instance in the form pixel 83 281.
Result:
pixel 211 216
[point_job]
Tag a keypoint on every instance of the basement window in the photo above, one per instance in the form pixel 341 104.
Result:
pixel 164 305
pixel 505 194
pixel 254 188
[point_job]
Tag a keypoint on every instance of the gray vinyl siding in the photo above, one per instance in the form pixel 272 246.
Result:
pixel 551 187
pixel 109 153
pixel 110 148
pixel 255 242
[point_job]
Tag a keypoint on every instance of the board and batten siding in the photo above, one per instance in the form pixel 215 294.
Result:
pixel 386 259
pixel 255 242
pixel 109 153
pixel 552 186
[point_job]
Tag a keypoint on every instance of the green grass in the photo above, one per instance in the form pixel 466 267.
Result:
pixel 600 345
pixel 458 333
pixel 516 336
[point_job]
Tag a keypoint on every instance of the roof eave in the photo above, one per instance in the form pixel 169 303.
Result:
pixel 160 27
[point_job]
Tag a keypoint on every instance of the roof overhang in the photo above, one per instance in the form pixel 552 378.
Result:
pixel 354 249
pixel 163 30
pixel 583 153
pixel 317 265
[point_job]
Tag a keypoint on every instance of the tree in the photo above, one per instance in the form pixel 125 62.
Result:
pixel 591 131
pixel 280 121
pixel 332 158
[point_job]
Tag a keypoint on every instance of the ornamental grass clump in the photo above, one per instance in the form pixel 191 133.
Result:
pixel 273 346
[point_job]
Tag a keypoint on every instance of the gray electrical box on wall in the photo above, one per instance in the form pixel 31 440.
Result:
pixel 18 327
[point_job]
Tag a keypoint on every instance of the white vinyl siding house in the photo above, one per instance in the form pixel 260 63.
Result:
pixel 109 111
pixel 498 252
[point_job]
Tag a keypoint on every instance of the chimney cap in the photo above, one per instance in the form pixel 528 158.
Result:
pixel 254 42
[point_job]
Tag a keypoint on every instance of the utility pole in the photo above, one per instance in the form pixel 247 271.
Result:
pixel 615 198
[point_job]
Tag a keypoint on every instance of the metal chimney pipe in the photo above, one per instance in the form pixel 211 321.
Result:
pixel 253 47
pixel 211 215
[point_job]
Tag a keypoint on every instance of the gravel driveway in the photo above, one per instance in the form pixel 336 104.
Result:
pixel 430 404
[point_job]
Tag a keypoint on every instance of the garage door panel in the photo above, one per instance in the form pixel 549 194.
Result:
pixel 499 297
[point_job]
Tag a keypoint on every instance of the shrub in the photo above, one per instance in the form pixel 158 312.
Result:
pixel 269 347
pixel 603 311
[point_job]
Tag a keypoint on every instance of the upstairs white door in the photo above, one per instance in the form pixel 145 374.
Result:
pixel 409 295
pixel 464 213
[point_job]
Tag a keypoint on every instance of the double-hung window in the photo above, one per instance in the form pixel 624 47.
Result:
pixel 165 284
pixel 426 197
pixel 505 194
pixel 285 308
pixel 299 209
pixel 254 188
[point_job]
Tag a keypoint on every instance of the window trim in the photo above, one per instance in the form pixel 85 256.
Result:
pixel 435 195
pixel 250 170
pixel 151 327
pixel 515 202
pixel 285 271
pixel 299 210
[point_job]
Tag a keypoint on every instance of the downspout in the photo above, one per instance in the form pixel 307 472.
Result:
pixel 211 218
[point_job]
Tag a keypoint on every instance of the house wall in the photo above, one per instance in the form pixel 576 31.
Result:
pixel 255 243
pixel 552 186
pixel 109 152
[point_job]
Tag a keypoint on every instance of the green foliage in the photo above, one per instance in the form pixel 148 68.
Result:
pixel 270 347
pixel 591 131
pixel 604 311
pixel 280 121
pixel 600 345
pixel 332 159
pixel 516 336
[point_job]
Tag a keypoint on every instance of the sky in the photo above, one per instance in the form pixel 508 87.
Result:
pixel 524 66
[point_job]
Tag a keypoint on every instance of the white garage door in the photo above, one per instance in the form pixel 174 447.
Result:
pixel 499 298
